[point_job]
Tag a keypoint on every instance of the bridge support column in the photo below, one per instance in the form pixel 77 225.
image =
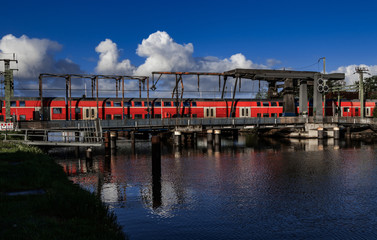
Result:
pixel 210 136
pixel 217 137
pixel 177 138
pixel 303 98
pixel 320 133
pixel 336 133
pixel 317 100
pixel 235 135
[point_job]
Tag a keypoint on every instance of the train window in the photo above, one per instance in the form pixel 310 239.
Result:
pixel 22 117
pixel 138 116
pixel 258 115
pixel 265 115
pixel 273 104
pixel 117 104
pixel 57 110
pixel 108 104
pixel 176 104
pixel 22 103
pixel 346 109
pixel 87 113
pixel 127 116
pixel 146 116
pixel 157 116
pixel 148 104
pixel 193 104
pixel 167 104
pixel 93 115
pixel 108 116
pixel 258 104
pixel 138 104
pixel 117 117
pixel 186 104
pixel 127 104
pixel 157 104
pixel 13 104
pixel 280 114
pixel 280 104
pixel 194 115
pixel 247 111
pixel 243 112
pixel 266 104
pixel 273 114
pixel 2 118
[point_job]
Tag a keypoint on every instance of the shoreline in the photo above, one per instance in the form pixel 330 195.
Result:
pixel 37 201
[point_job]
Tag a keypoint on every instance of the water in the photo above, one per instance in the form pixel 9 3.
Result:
pixel 255 190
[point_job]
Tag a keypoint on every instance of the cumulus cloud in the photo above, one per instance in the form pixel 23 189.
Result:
pixel 35 55
pixel 108 62
pixel 162 53
pixel 351 76
pixel 273 62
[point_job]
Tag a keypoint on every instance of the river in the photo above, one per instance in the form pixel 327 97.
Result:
pixel 251 189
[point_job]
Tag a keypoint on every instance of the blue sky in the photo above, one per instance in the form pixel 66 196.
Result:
pixel 292 34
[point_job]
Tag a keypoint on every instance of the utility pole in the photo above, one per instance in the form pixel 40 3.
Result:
pixel 361 71
pixel 8 85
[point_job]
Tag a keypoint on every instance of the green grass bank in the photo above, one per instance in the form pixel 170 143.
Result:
pixel 59 209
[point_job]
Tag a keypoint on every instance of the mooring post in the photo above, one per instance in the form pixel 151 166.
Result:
pixel 177 138
pixel 107 142
pixel 113 140
pixel 156 171
pixel 133 147
pixel 89 154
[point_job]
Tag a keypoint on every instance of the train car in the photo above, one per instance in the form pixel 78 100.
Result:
pixel 28 109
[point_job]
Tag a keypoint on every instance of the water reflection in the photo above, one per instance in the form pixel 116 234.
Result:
pixel 251 188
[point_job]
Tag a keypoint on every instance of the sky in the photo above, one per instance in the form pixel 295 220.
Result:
pixel 138 37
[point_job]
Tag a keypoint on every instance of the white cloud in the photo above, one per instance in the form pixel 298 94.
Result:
pixel 162 53
pixel 273 62
pixel 35 56
pixel 351 76
pixel 108 59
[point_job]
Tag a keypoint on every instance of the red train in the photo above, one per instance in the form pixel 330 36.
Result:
pixel 28 109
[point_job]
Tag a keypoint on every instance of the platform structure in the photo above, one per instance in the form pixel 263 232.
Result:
pixel 83 134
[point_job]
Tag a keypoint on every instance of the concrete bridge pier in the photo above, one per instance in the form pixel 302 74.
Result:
pixel 177 138
pixel 235 135
pixel 209 136
pixel 217 137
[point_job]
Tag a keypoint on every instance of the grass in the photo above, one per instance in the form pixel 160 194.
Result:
pixel 65 212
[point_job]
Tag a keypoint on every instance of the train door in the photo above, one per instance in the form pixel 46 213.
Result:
pixel 367 112
pixel 245 111
pixel 89 113
pixel 37 114
pixel 209 112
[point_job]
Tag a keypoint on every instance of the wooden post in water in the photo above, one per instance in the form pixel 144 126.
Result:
pixel 209 136
pixel 113 141
pixel 107 142
pixel 156 171
pixel 133 149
